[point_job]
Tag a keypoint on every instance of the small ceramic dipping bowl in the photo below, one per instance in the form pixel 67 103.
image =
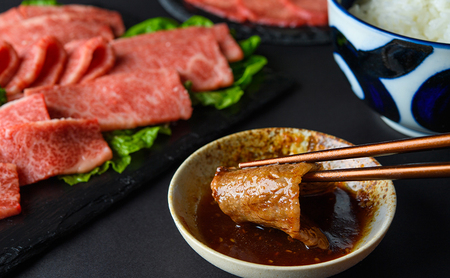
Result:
pixel 405 80
pixel 191 183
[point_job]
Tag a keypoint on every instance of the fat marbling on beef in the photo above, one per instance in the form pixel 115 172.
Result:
pixel 64 27
pixel 194 52
pixel 89 13
pixel 23 110
pixel 56 147
pixel 121 101
pixel 269 196
pixel 9 191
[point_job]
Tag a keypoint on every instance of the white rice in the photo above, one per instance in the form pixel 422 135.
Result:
pixel 421 19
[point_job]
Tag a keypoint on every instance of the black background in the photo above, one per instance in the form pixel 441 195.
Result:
pixel 136 236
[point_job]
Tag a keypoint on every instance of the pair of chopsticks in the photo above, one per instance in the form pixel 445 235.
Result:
pixel 408 171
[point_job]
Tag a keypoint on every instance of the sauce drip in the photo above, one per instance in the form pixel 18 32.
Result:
pixel 336 213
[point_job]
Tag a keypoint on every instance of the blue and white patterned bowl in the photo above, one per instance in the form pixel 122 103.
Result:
pixel 405 80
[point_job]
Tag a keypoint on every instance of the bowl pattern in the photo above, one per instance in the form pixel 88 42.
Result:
pixel 405 80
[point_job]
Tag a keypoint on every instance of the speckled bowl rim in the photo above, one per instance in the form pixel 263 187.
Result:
pixel 386 32
pixel 351 258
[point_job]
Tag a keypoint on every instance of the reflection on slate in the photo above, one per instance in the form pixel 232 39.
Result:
pixel 271 35
pixel 52 209
pixel 392 60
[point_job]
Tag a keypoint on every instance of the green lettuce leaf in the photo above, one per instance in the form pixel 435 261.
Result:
pixel 243 72
pixel 220 99
pixel 125 142
pixel 151 25
pixel 40 3
pixel 122 143
pixel 197 20
pixel 3 98
pixel 250 45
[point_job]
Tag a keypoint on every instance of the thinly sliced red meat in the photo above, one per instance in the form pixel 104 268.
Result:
pixel 65 27
pixel 272 12
pixel 41 65
pixel 9 191
pixel 88 59
pixel 121 101
pixel 231 9
pixel 90 13
pixel 282 13
pixel 9 17
pixel 228 45
pixel 23 110
pixel 48 148
pixel 314 12
pixel 9 63
pixel 193 52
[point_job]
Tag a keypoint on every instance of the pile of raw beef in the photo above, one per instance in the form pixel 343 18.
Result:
pixel 68 77
pixel 281 13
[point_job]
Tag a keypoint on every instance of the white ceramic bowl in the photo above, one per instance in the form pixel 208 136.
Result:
pixel 192 180
pixel 405 80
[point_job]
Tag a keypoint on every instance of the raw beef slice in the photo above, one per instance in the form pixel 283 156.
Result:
pixel 231 9
pixel 194 53
pixel 121 101
pixel 9 63
pixel 9 191
pixel 228 45
pixel 272 12
pixel 10 17
pixel 48 148
pixel 41 65
pixel 88 59
pixel 314 12
pixel 112 18
pixel 23 110
pixel 64 27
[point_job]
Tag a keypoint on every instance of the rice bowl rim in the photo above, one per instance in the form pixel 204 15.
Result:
pixel 384 31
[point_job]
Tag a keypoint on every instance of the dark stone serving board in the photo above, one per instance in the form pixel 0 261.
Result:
pixel 52 209
pixel 270 35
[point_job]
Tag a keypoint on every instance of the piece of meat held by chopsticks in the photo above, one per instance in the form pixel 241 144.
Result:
pixel 268 196
pixel 9 191
pixel 56 147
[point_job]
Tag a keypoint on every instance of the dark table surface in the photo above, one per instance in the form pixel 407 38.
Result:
pixel 136 237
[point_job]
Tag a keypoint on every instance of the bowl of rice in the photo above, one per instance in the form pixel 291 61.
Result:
pixel 396 56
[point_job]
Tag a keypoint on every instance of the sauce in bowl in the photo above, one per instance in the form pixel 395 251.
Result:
pixel 340 215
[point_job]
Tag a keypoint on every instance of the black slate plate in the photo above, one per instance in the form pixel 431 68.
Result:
pixel 53 209
pixel 269 35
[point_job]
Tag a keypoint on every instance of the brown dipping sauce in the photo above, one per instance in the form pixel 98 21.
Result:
pixel 338 214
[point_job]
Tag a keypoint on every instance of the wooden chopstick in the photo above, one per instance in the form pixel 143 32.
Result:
pixel 409 171
pixel 377 149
